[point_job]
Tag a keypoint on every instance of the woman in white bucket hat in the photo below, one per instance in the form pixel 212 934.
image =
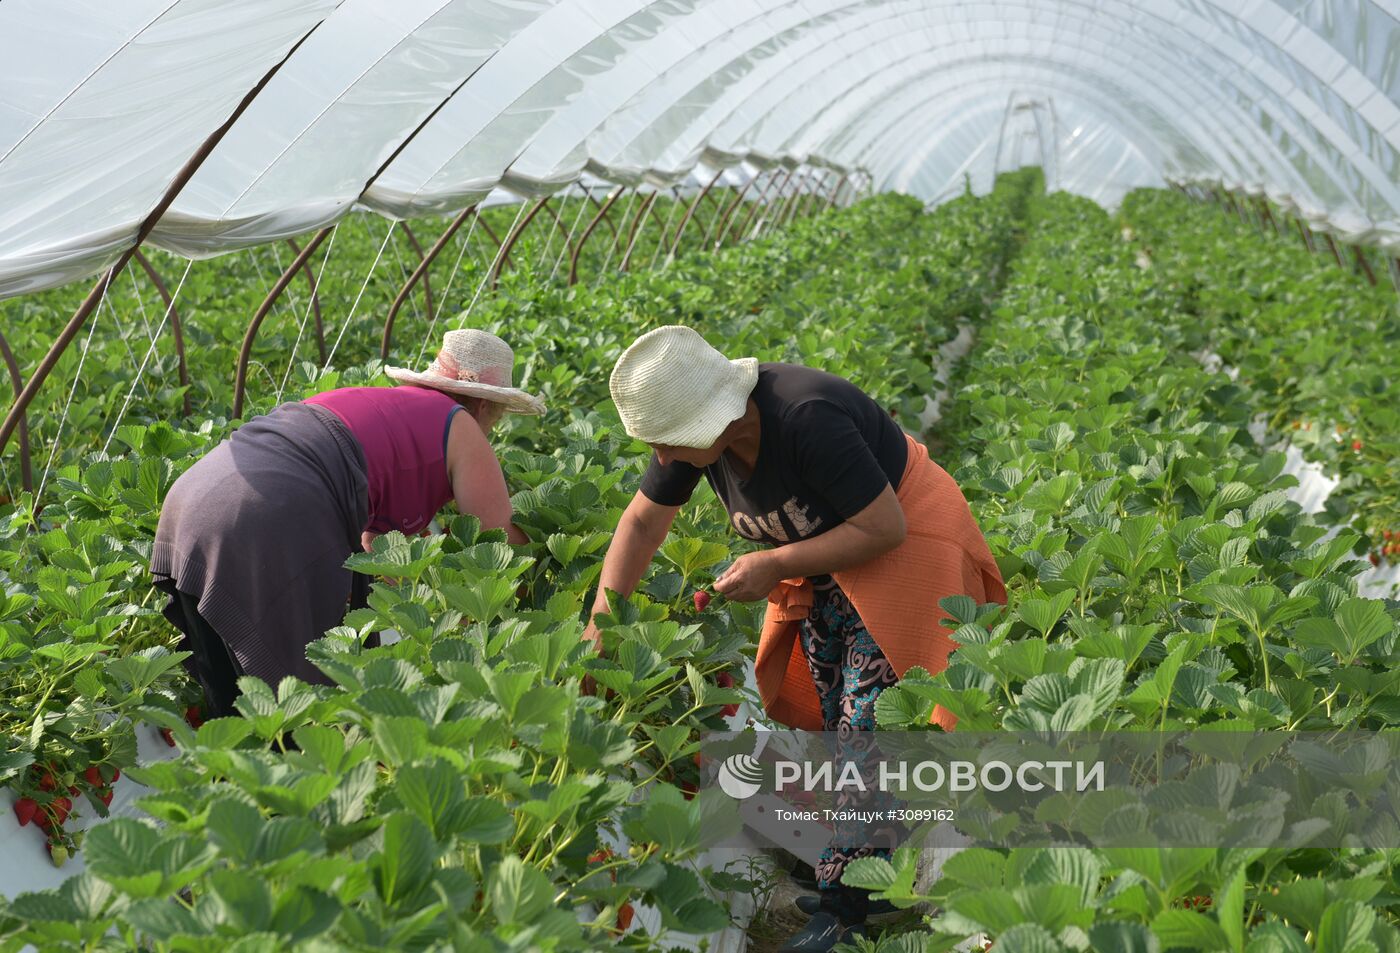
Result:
pixel 253 538
pixel 865 533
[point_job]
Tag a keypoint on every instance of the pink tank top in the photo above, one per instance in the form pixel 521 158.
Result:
pixel 403 432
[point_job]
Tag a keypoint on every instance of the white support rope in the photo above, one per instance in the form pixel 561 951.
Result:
pixel 451 279
pixel 665 231
pixel 548 240
pixel 388 234
pixel 412 299
pixel 612 248
pixel 160 329
pixel 500 252
pixel 311 300
pixel 583 205
pixel 287 301
pixel 77 376
pixel 306 313
pixel 140 301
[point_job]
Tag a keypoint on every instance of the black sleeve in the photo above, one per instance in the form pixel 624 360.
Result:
pixel 833 457
pixel 670 485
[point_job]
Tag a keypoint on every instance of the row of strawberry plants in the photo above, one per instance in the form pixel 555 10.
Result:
pixel 1159 579
pixel 1312 343
pixel 472 658
pixel 78 591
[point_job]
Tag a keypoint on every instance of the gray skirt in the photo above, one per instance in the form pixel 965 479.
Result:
pixel 258 531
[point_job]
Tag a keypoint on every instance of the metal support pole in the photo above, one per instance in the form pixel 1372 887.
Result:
pixel 427 285
pixel 245 353
pixel 175 329
pixel 648 204
pixel 1364 264
pixel 768 209
pixel 690 213
pixel 94 297
pixel 512 237
pixel 602 216
pixel 836 192
pixel 386 340
pixel 753 212
pixel 1303 234
pixel 1336 252
pixel 26 469
pixel 599 206
pixel 315 303
pixel 723 220
pixel 1268 214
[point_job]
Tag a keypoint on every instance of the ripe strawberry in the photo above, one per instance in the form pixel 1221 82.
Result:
pixel 93 776
pixel 61 807
pixel 1356 445
pixel 193 716
pixel 25 810
pixel 1375 560
pixel 105 796
pixel 600 856
pixel 688 790
pixel 116 775
pixel 624 917
pixel 47 782
pixel 702 600
pixel 725 680
pixel 169 736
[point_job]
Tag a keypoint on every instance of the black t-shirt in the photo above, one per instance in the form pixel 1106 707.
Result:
pixel 826 451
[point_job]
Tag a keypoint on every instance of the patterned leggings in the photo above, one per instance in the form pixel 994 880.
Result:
pixel 849 672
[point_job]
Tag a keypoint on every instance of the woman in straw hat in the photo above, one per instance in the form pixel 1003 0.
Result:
pixel 252 540
pixel 865 535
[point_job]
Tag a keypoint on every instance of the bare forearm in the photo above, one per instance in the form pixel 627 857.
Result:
pixel 627 560
pixel 841 548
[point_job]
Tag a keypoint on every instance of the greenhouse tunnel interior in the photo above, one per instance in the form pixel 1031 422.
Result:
pixel 421 107
pixel 449 145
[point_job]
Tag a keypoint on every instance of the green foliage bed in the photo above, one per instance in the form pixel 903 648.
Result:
pixel 457 789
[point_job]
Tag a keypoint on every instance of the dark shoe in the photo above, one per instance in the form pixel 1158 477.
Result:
pixel 804 876
pixel 821 934
pixel 810 903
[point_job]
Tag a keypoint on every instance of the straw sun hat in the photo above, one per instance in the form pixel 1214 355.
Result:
pixel 475 364
pixel 672 388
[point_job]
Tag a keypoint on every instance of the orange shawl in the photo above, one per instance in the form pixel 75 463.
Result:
pixel 896 595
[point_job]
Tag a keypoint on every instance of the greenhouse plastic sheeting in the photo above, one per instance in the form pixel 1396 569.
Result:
pixel 413 107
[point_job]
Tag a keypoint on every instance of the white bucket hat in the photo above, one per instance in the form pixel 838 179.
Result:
pixel 672 388
pixel 475 364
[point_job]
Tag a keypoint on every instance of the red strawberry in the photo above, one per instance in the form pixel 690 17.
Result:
pixel 1375 560
pixel 105 796
pixel 725 680
pixel 116 775
pixel 61 806
pixel 624 917
pixel 688 790
pixel 193 716
pixel 600 856
pixel 169 736
pixel 1356 445
pixel 47 782
pixel 93 776
pixel 702 600
pixel 25 810
pixel 74 790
